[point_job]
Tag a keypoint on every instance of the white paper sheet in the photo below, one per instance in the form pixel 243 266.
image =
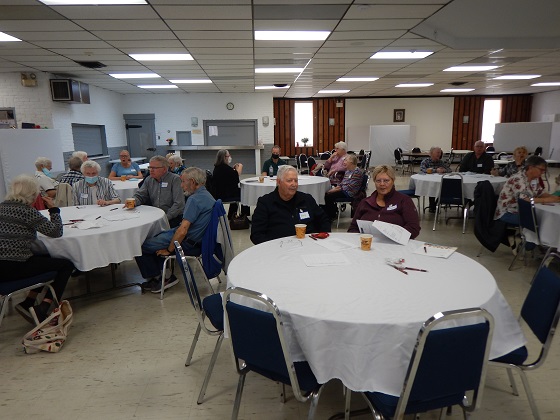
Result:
pixel 334 244
pixel 434 250
pixel 394 232
pixel 366 226
pixel 121 216
pixel 89 224
pixel 321 260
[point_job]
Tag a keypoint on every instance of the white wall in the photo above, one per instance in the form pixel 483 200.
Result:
pixel 174 111
pixel 431 117
pixel 547 103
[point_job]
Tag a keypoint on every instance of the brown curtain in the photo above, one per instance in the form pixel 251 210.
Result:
pixel 467 116
pixel 324 134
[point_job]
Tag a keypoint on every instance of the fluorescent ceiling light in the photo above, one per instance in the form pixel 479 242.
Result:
pixel 456 90
pixel 334 91
pixel 357 79
pixel 546 84
pixel 405 85
pixel 517 77
pixel 161 57
pixel 7 38
pixel 472 68
pixel 291 35
pixel 272 87
pixel 191 81
pixel 158 86
pixel 90 2
pixel 134 75
pixel 279 70
pixel 401 55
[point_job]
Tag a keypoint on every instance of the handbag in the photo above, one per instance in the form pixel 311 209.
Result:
pixel 50 334
pixel 239 222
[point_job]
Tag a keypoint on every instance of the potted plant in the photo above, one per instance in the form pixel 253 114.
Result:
pixel 304 141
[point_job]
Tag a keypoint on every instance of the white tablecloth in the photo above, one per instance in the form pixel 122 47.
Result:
pixel 252 189
pixel 359 322
pixel 114 242
pixel 126 189
pixel 429 184
pixel 548 218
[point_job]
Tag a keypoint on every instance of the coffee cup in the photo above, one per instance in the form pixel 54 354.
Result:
pixel 123 177
pixel 365 241
pixel 261 178
pixel 130 203
pixel 300 231
pixel 429 170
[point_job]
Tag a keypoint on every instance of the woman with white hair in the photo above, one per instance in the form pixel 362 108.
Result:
pixel 19 224
pixel 335 164
pixel 47 185
pixel 176 164
pixel 94 189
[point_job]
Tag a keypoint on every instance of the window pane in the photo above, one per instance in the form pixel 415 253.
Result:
pixel 490 117
pixel 304 123
pixel 90 139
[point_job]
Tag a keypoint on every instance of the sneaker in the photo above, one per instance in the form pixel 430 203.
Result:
pixel 20 309
pixel 170 282
pixel 150 284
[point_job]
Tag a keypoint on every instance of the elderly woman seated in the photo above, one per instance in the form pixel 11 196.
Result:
pixel 94 189
pixel 175 164
pixel 47 184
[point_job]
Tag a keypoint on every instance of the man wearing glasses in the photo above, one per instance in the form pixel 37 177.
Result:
pixel 162 189
pixel 524 184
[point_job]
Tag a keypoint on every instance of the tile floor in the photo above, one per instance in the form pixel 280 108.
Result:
pixel 125 355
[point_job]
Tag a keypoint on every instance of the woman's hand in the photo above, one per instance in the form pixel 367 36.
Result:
pixel 102 203
pixel 49 202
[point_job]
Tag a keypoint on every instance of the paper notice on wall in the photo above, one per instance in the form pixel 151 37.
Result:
pixel 212 130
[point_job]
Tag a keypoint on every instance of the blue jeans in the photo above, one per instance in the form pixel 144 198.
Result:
pixel 149 263
pixel 510 219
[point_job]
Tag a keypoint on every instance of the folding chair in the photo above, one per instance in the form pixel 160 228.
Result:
pixel 528 225
pixel 540 311
pixel 258 342
pixel 10 288
pixel 399 160
pixel 360 195
pixel 451 193
pixel 412 194
pixel 210 307
pixel 446 363
pixel 303 168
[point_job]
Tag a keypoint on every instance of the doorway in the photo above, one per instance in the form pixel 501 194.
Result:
pixel 140 134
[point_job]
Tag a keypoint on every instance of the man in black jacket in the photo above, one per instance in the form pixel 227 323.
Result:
pixel 278 212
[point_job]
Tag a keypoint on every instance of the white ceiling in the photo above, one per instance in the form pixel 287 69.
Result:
pixel 522 36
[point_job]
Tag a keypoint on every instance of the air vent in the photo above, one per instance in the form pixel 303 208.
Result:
pixel 70 91
pixel 280 85
pixel 458 83
pixel 91 64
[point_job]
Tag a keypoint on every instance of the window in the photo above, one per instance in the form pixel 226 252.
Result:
pixel 490 117
pixel 90 139
pixel 303 124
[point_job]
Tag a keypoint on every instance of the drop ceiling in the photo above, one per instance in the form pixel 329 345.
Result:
pixel 520 36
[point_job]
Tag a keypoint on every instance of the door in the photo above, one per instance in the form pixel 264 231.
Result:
pixel 140 134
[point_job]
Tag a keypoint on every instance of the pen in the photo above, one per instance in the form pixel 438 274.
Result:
pixel 400 269
pixel 425 250
pixel 98 217
pixel 76 220
pixel 116 208
pixel 415 269
pixel 312 238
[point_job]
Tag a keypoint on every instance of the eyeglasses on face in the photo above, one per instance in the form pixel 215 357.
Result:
pixel 383 181
pixel 153 168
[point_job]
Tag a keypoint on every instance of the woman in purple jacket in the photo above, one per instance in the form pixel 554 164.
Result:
pixel 386 204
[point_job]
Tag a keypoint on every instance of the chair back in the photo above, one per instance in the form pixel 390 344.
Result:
pixel 527 215
pixel 210 183
pixel 311 162
pixel 398 155
pixel 64 196
pixel 325 155
pixel 541 308
pixel 188 277
pixel 538 151
pixel 451 189
pixel 214 252
pixel 449 361
pixel 416 150
pixel 490 149
pixel 258 340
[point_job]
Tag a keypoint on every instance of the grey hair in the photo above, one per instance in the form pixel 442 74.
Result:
pixel 534 160
pixel 160 159
pixel 90 164
pixel 75 163
pixel 351 158
pixel 80 154
pixel 341 145
pixel 176 159
pixel 124 150
pixel 434 148
pixel 24 188
pixel 196 174
pixel 283 170
pixel 221 157
pixel 41 162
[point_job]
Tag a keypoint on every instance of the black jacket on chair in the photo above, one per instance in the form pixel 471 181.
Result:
pixel 489 232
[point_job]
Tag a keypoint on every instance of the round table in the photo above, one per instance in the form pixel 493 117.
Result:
pixel 126 189
pixel 358 322
pixel 119 238
pixel 252 189
pixel 548 217
pixel 429 184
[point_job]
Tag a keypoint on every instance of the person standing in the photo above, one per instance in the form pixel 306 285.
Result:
pixel 478 161
pixel 225 180
pixel 274 161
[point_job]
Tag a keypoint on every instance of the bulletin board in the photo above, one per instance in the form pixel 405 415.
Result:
pixel 230 132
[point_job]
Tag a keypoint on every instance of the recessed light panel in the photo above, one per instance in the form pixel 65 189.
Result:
pixel 7 38
pixel 334 91
pixel 413 85
pixel 158 86
pixel 401 55
pixel 546 84
pixel 161 57
pixel 517 77
pixel 357 79
pixel 472 68
pixel 291 35
pixel 191 81
pixel 90 2
pixel 271 87
pixel 134 75
pixel 279 70
pixel 456 90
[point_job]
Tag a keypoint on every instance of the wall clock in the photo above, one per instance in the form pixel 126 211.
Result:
pixel 230 105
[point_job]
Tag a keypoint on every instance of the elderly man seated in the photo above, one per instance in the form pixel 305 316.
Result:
pixel 47 185
pixel 94 189
pixel 478 161
pixel 434 164
pixel 74 173
pixel 195 219
pixel 278 212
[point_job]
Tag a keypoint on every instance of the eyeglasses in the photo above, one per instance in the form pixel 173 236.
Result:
pixel 154 167
pixel 541 169
pixel 383 181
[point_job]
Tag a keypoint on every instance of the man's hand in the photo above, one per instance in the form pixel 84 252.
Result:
pixel 163 252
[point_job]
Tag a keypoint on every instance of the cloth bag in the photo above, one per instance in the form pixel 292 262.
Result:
pixel 50 334
pixel 239 222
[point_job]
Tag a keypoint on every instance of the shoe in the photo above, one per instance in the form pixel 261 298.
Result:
pixel 432 210
pixel 40 312
pixel 20 309
pixel 147 286
pixel 170 282
pixel 76 273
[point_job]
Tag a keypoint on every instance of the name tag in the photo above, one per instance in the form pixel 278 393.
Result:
pixel 392 207
pixel 133 170
pixel 304 215
pixel 164 185
pixel 479 165
pixel 84 195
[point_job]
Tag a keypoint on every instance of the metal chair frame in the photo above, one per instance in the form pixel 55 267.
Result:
pixel 342 202
pixel 539 286
pixel 463 205
pixel 194 296
pixel 527 220
pixel 270 307
pixel 400 160
pixel 302 159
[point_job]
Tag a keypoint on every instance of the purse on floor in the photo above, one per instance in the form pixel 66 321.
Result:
pixel 239 222
pixel 50 334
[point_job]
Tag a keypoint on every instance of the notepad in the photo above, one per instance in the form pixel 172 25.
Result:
pixel 434 250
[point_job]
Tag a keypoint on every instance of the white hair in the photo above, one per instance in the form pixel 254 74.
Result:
pixel 341 145
pixel 90 164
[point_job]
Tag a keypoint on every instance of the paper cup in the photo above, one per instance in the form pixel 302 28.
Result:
pixel 261 178
pixel 365 241
pixel 300 231
pixel 429 170
pixel 123 177
pixel 130 203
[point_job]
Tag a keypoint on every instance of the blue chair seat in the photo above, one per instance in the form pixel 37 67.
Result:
pixel 214 310
pixel 516 357
pixel 387 404
pixel 12 286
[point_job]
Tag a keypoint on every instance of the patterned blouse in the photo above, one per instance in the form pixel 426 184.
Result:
pixel 510 169
pixel 19 224
pixel 516 186
pixel 352 182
